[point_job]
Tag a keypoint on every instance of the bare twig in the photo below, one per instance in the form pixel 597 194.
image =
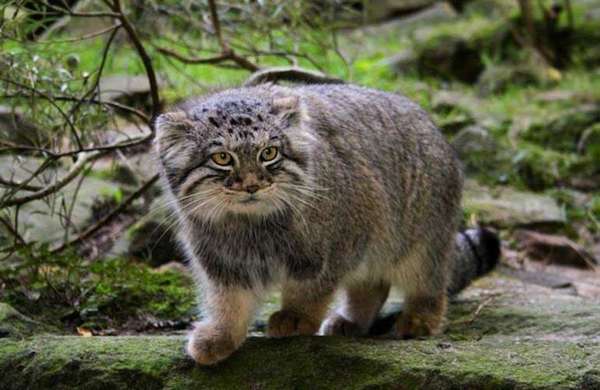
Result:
pixel 52 102
pixel 146 61
pixel 489 299
pixel 69 11
pixel 99 73
pixel 131 110
pixel 225 56
pixel 214 17
pixel 13 232
pixel 108 217
pixel 14 184
pixel 193 60
pixel 56 155
pixel 84 158
pixel 83 37
pixel 227 53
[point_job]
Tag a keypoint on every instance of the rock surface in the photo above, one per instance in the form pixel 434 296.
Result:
pixel 554 249
pixel 507 207
pixel 502 333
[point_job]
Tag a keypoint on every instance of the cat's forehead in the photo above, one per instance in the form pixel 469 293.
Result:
pixel 233 111
pixel 237 122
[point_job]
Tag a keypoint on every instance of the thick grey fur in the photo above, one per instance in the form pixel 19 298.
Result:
pixel 379 199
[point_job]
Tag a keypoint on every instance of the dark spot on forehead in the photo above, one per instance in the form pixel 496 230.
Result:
pixel 213 121
pixel 259 117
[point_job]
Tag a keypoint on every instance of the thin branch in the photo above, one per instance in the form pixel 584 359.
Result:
pixel 243 62
pixel 13 232
pixel 214 17
pixel 229 55
pixel 47 163
pixel 57 185
pixel 52 103
pixel 98 75
pixel 70 12
pixel 193 60
pixel 20 186
pixel 123 107
pixel 108 217
pixel 56 155
pixel 81 38
pixel 13 147
pixel 140 114
pixel 135 39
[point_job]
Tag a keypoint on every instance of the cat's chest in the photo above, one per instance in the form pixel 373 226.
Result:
pixel 262 252
pixel 247 242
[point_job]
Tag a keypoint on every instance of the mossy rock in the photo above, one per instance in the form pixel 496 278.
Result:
pixel 16 325
pixel 498 78
pixel 501 334
pixel 541 168
pixel 563 131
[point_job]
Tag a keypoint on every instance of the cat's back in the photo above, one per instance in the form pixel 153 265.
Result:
pixel 386 141
pixel 378 125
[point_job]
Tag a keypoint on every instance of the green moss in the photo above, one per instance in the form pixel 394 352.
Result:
pixel 539 168
pixel 533 339
pixel 159 362
pixel 15 325
pixel 68 291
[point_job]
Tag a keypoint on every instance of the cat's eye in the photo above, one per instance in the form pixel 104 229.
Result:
pixel 269 153
pixel 222 158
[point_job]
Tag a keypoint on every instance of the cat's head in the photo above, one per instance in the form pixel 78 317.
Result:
pixel 237 153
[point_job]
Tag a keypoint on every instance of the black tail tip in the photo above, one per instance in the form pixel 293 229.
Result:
pixel 489 244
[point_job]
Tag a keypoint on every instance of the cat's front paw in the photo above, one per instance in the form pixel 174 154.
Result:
pixel 284 323
pixel 208 345
pixel 338 325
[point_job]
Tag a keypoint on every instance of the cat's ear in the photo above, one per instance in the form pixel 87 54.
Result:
pixel 287 108
pixel 172 123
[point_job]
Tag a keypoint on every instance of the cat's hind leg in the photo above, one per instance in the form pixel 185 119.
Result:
pixel 361 302
pixel 423 278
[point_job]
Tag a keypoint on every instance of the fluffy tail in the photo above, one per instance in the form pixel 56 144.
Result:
pixel 477 253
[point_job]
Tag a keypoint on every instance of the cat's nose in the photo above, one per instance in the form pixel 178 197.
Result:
pixel 252 188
